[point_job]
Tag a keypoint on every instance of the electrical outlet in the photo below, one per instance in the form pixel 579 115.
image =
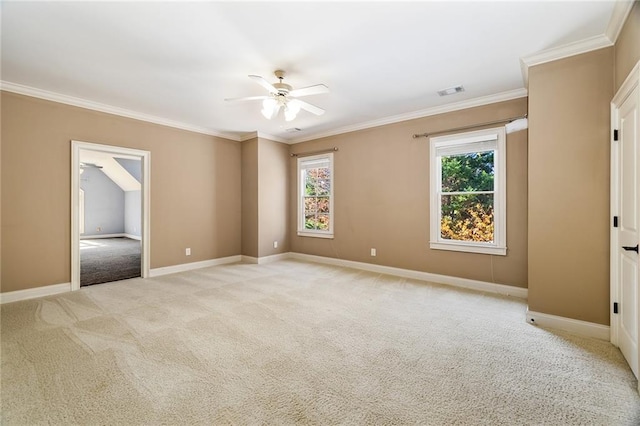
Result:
pixel 187 251
pixel 373 252
pixel 275 244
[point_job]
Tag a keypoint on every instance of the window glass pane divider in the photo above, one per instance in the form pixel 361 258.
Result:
pixel 467 192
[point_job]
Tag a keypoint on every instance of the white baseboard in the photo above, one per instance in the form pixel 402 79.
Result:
pixel 581 328
pixel 31 293
pixel 123 235
pixel 266 259
pixel 405 273
pixel 93 237
pixel 48 290
pixel 156 272
pixel 273 258
pixel 419 275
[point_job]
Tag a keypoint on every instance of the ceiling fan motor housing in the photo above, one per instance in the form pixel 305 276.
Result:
pixel 283 88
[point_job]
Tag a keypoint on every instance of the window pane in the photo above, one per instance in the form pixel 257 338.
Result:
pixel 310 222
pixel 323 222
pixel 467 217
pixel 468 172
pixel 323 204
pixel 310 178
pixel 310 205
pixel 317 181
pixel 323 181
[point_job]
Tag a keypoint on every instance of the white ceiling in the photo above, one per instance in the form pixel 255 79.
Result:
pixel 176 62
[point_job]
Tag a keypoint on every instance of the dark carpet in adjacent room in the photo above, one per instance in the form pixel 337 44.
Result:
pixel 104 260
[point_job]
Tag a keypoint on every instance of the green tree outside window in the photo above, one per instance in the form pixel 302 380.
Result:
pixel 467 200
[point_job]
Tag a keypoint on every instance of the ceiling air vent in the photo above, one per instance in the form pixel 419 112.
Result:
pixel 451 90
pixel 293 129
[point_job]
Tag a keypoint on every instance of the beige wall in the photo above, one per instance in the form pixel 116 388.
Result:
pixel 273 197
pixel 627 47
pixel 195 188
pixel 0 195
pixel 569 186
pixel 250 228
pixel 382 199
pixel 265 197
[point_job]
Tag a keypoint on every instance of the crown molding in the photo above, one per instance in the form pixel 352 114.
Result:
pixel 248 136
pixel 524 69
pixel 567 50
pixel 272 138
pixel 253 135
pixel 621 10
pixel 96 106
pixel 457 106
pixel 83 103
pixel 561 52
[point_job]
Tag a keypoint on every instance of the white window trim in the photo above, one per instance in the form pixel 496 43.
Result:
pixel 302 231
pixel 499 245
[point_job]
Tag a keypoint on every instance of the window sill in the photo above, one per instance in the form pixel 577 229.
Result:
pixel 314 235
pixel 469 248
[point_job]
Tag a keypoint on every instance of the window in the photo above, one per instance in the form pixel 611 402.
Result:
pixel 315 196
pixel 468 186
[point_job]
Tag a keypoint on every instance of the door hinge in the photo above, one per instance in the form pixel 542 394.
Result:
pixel 615 307
pixel 615 135
pixel 615 221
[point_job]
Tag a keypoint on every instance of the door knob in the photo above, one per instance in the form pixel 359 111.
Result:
pixel 629 248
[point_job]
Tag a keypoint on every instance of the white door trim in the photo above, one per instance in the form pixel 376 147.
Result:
pixel 145 156
pixel 631 82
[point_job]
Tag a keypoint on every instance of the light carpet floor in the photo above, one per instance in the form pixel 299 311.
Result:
pixel 300 343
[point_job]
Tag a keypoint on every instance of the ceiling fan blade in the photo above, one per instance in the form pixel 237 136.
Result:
pixel 246 98
pixel 311 108
pixel 264 83
pixel 311 90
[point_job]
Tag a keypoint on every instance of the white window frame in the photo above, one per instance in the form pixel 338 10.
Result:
pixel 303 164
pixel 483 140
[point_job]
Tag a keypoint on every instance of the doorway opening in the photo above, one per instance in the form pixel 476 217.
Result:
pixel 109 213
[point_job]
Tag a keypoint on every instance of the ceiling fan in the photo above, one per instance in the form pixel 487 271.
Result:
pixel 282 95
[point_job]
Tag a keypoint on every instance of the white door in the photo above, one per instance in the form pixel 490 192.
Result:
pixel 625 253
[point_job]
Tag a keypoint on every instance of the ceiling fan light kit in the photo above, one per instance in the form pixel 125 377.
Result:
pixel 269 108
pixel 283 96
pixel 291 110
